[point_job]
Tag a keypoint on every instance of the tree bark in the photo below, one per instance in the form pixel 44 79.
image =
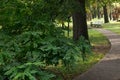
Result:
pixel 94 13
pixel 98 12
pixel 79 22
pixel 106 20
pixel 68 26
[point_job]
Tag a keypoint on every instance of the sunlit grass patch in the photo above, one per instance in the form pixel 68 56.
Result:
pixel 115 27
pixel 97 38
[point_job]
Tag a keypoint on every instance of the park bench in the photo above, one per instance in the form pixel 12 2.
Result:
pixel 96 24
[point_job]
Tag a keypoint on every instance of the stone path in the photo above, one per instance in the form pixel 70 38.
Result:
pixel 109 67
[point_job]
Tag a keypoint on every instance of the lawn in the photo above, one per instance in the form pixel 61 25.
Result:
pixel 97 38
pixel 115 27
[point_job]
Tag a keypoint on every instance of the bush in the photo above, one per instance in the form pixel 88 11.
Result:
pixel 31 42
pixel 27 55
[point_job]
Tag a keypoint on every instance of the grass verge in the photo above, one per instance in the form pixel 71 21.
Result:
pixel 114 27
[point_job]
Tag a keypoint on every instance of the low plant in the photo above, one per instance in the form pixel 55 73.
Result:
pixel 26 56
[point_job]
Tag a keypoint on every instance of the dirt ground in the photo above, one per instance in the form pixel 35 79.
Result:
pixel 101 49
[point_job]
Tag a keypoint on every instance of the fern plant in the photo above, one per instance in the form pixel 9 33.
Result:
pixel 26 56
pixel 28 71
pixel 84 47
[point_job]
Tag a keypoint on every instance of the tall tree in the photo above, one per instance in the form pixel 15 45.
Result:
pixel 79 21
pixel 98 9
pixel 105 10
pixel 106 19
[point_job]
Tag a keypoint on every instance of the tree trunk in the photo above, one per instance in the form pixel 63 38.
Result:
pixel 68 26
pixel 98 12
pixel 63 26
pixel 110 15
pixel 79 22
pixel 106 20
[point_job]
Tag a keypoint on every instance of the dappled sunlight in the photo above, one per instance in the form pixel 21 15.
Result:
pixel 115 40
pixel 114 53
pixel 111 57
pixel 113 26
pixel 0 27
pixel 97 38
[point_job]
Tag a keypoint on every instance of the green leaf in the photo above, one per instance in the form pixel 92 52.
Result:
pixel 19 76
pixel 30 76
pixel 13 69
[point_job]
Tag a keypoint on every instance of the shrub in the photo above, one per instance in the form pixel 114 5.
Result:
pixel 27 55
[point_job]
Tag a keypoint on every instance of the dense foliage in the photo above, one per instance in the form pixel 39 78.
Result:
pixel 31 40
pixel 26 56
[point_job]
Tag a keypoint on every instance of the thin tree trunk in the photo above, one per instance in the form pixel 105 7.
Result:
pixel 106 20
pixel 94 12
pixel 63 26
pixel 68 26
pixel 110 15
pixel 79 22
pixel 98 12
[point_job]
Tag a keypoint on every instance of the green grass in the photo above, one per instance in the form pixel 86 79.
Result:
pixel 97 38
pixel 115 27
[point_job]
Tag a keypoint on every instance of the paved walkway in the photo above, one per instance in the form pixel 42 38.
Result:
pixel 109 67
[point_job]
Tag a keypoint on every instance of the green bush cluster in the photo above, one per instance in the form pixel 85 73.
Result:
pixel 26 56
pixel 31 41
